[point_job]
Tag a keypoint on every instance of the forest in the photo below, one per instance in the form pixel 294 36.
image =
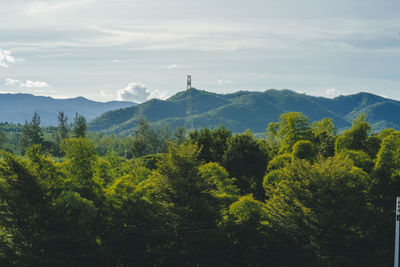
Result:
pixel 301 195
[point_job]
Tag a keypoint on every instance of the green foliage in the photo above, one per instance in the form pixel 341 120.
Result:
pixel 32 133
pixel 247 210
pixel 324 126
pixel 3 139
pixel 80 163
pixel 213 143
pixel 303 149
pixel 79 127
pixel 279 161
pixel 148 140
pixel 356 137
pixel 327 191
pixel 294 127
pixel 218 179
pixel 359 158
pixel 210 200
pixel 246 159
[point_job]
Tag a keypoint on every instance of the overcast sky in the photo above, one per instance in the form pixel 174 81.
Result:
pixel 136 50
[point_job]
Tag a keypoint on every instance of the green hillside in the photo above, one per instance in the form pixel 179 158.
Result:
pixel 250 110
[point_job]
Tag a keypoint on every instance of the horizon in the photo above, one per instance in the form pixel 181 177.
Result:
pixel 135 51
pixel 116 100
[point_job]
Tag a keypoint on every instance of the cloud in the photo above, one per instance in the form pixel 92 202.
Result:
pixel 6 58
pixel 223 82
pixel 138 92
pixel 27 83
pixel 331 91
pixel 103 93
pixel 173 66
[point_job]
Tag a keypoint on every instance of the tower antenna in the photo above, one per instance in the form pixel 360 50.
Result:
pixel 189 120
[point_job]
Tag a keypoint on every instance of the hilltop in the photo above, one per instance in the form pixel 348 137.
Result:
pixel 250 110
pixel 17 108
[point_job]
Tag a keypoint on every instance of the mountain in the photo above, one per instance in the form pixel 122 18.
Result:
pixel 17 108
pixel 250 110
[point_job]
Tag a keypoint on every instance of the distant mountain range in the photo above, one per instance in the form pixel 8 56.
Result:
pixel 16 108
pixel 250 110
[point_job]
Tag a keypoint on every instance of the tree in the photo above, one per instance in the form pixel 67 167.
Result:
pixel 189 203
pixel 32 133
pixel 303 149
pixel 62 128
pixel 145 141
pixel 326 190
pixel 79 126
pixel 3 139
pixel 294 126
pixel 324 136
pixel 80 163
pixel 385 189
pixel 213 143
pixel 180 135
pixel 246 159
pixel 356 137
pixel 325 125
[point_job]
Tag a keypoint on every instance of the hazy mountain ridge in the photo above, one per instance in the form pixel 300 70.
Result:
pixel 16 108
pixel 251 110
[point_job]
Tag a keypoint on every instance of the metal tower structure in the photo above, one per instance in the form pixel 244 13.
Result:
pixel 189 121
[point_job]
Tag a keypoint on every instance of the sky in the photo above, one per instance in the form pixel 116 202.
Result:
pixel 137 50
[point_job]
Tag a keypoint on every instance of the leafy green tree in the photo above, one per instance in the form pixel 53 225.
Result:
pixel 360 159
pixel 272 137
pixel 356 137
pixel 137 226
pixel 190 204
pixel 145 141
pixel 79 127
pixel 246 159
pixel 324 136
pixel 63 129
pixel 32 133
pixel 180 135
pixel 22 198
pixel 303 150
pixel 223 187
pixel 294 126
pixel 327 190
pixel 80 163
pixel 247 240
pixel 3 139
pixel 213 143
pixel 385 189
pixel 324 126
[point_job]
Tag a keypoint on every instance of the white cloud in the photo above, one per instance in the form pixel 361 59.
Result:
pixel 138 92
pixel 27 83
pixel 223 82
pixel 173 66
pixel 331 91
pixel 103 94
pixel 6 58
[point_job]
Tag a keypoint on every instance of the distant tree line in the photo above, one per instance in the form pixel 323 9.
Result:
pixel 302 196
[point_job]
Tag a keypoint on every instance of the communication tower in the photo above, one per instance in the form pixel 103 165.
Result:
pixel 189 121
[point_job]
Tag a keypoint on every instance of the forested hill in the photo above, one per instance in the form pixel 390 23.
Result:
pixel 16 108
pixel 251 110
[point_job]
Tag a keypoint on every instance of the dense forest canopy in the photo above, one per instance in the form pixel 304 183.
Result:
pixel 303 195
